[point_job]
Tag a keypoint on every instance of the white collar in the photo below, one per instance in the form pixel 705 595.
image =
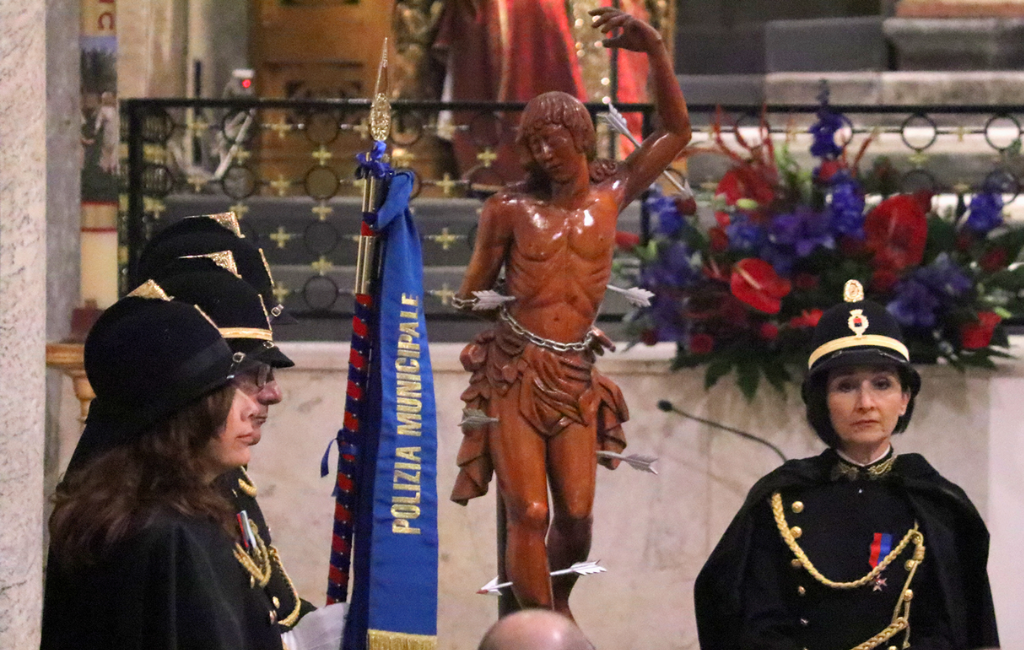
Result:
pixel 851 461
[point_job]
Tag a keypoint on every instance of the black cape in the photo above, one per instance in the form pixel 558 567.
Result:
pixel 956 538
pixel 174 585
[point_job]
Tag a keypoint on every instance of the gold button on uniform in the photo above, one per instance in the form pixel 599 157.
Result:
pixel 796 531
pixel 798 507
pixel 910 565
pixel 273 617
pixel 796 563
pixel 908 594
pixel 800 590
pixel 276 601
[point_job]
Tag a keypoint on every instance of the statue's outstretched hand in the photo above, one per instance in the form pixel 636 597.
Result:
pixel 634 34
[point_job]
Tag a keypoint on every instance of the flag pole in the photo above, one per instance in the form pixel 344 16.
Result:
pixel 375 173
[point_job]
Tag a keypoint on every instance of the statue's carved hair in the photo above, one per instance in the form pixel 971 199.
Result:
pixel 564 110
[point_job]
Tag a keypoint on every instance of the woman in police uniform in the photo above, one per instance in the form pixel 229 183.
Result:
pixel 144 552
pixel 858 547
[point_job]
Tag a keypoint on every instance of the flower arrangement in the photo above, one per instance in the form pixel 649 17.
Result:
pixel 743 294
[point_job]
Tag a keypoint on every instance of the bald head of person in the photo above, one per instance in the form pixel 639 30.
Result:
pixel 535 629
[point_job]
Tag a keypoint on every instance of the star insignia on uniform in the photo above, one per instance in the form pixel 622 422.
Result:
pixel 879 584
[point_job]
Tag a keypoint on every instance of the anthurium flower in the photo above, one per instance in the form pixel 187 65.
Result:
pixel 896 231
pixel 756 283
pixel 974 336
pixel 745 183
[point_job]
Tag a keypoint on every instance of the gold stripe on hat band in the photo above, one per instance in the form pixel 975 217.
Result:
pixel 246 333
pixel 876 340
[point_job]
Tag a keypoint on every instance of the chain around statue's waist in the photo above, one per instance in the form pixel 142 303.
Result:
pixel 536 339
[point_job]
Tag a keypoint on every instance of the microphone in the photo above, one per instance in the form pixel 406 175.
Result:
pixel 669 407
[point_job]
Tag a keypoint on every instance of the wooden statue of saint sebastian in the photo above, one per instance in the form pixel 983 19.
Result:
pixel 534 370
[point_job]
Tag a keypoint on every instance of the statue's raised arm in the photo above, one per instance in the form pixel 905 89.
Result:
pixel 659 149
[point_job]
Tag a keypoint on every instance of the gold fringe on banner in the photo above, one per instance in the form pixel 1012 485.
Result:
pixel 381 640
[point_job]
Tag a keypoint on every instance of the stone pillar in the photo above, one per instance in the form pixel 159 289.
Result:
pixel 22 316
pixel 63 208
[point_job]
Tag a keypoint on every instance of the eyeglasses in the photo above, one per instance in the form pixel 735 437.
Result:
pixel 254 378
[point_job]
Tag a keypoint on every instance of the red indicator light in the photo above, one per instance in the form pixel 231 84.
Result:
pixel 246 83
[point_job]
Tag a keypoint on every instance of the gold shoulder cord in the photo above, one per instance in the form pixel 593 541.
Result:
pixel 289 620
pixel 901 613
pixel 257 564
pixel 246 484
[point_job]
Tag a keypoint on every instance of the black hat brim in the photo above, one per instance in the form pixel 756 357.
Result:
pixel 284 318
pixel 274 358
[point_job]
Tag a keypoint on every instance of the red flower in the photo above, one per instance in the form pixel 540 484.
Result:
pixel 626 241
pixel 769 331
pixel 896 232
pixel 687 205
pixel 974 336
pixel 807 318
pixel 701 344
pixel 829 168
pixel 745 182
pixel 718 239
pixel 805 281
pixel 756 283
pixel 883 280
pixel 994 259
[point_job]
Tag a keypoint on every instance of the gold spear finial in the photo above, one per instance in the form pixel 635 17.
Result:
pixel 380 109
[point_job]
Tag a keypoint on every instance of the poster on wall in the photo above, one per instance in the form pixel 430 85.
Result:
pixel 100 127
pixel 99 152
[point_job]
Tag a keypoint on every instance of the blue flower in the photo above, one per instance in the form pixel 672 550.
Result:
pixel 672 268
pixel 782 258
pixel 663 208
pixel 804 230
pixel 847 207
pixel 986 212
pixel 823 133
pixel 944 278
pixel 745 236
pixel 914 304
pixel 667 314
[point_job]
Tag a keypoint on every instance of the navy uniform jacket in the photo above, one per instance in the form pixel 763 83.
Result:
pixel 279 593
pixel 749 596
pixel 174 585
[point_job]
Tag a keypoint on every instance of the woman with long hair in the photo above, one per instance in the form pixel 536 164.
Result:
pixel 144 552
pixel 858 547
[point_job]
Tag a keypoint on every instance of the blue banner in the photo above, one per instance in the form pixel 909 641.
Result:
pixel 402 586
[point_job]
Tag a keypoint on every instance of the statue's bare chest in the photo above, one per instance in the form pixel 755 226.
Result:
pixel 545 231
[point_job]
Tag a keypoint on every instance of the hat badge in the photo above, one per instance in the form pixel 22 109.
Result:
pixel 858 322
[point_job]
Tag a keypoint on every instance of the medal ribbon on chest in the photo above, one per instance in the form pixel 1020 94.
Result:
pixel 881 545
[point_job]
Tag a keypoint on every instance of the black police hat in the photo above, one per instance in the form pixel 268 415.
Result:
pixel 235 307
pixel 147 357
pixel 211 235
pixel 858 332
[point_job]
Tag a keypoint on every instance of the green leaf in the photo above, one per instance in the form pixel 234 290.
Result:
pixel 715 371
pixel 748 375
pixel 776 374
pixel 941 238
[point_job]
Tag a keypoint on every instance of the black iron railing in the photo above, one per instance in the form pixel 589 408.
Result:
pixel 286 167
